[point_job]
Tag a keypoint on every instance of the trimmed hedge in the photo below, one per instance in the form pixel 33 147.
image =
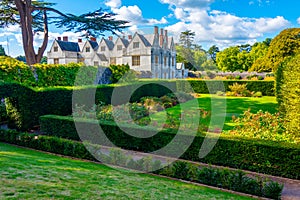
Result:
pixel 201 86
pixel 45 143
pixel 259 156
pixel 26 105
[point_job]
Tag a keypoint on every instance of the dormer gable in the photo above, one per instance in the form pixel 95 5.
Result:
pixel 89 46
pixel 105 45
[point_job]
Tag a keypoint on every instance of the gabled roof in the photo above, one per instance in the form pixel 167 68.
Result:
pixel 144 40
pixel 125 42
pixel 94 44
pixel 68 46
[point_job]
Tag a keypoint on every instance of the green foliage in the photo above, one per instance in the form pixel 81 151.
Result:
pixel 118 71
pixel 64 75
pixel 239 90
pixel 268 157
pixel 228 60
pixel 288 94
pixel 262 125
pixel 285 45
pixel 12 70
pixel 223 178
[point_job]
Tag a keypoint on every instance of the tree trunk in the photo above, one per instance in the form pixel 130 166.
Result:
pixel 25 10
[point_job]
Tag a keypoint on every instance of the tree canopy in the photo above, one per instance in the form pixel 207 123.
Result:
pixel 282 47
pixel 32 16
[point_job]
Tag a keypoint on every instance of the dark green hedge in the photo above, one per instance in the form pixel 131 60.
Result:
pixel 45 143
pixel 25 105
pixel 201 86
pixel 259 156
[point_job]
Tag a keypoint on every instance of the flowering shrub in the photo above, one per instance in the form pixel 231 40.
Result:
pixel 261 125
pixel 239 90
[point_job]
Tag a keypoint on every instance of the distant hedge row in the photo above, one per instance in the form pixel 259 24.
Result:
pixel 213 86
pixel 259 156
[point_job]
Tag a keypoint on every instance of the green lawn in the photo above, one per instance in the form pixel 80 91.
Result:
pixel 222 106
pixel 28 174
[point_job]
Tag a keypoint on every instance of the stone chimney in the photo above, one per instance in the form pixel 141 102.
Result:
pixel 65 38
pixel 59 38
pixel 161 37
pixel 129 37
pixel 110 38
pixel 166 36
pixel 79 40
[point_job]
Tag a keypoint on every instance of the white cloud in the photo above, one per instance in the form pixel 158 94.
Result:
pixel 113 3
pixel 3 43
pixel 298 20
pixel 219 27
pixel 188 3
pixel 134 15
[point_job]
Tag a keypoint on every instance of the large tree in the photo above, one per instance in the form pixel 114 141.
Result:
pixel 185 50
pixel 32 16
pixel 285 45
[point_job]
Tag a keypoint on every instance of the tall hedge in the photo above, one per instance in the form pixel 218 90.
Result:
pixel 12 70
pixel 259 156
pixel 27 104
pixel 288 94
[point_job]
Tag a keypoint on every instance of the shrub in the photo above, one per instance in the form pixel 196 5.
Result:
pixel 223 178
pixel 239 90
pixel 262 125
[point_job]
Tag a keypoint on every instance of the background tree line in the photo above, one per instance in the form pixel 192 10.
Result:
pixel 262 56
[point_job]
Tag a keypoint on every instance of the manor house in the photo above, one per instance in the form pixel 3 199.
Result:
pixel 154 55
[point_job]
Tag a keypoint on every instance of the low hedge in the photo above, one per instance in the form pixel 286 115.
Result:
pixel 222 178
pixel 212 86
pixel 45 143
pixel 258 156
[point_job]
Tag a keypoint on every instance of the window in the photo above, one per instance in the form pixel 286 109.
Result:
pixel 102 48
pixel 96 63
pixel 87 49
pixel 136 45
pixel 56 61
pixel 55 49
pixel 165 60
pixel 135 60
pixel 119 47
pixel 113 60
pixel 173 59
pixel 156 60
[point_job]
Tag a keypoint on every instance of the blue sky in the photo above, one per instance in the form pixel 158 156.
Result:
pixel 220 22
